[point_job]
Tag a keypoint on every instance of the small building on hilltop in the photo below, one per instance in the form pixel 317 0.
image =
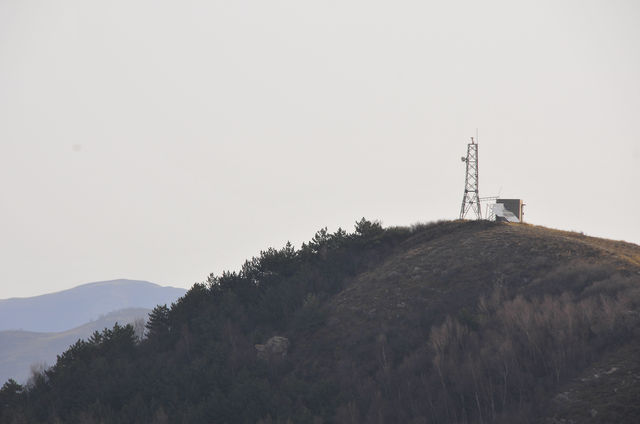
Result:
pixel 509 210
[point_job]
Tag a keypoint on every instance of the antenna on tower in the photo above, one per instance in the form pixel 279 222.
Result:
pixel 471 197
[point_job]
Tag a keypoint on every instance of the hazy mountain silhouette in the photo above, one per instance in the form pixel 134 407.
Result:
pixel 63 310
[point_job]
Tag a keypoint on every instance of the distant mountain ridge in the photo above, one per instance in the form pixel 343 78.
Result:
pixel 67 309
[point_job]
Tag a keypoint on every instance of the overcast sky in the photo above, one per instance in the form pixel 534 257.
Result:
pixel 165 140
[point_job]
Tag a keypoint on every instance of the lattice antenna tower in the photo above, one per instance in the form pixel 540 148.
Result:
pixel 471 198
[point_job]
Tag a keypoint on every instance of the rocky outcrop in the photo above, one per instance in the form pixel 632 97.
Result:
pixel 275 347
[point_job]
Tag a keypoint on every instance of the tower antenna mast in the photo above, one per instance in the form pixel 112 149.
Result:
pixel 471 197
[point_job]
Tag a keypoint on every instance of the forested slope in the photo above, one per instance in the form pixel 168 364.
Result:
pixel 448 322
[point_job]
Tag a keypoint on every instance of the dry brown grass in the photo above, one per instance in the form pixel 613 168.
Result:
pixel 385 317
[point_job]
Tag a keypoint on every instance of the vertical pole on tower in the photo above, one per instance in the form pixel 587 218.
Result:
pixel 471 197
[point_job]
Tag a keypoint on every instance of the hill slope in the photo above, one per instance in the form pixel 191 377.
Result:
pixel 450 307
pixel 450 322
pixel 63 310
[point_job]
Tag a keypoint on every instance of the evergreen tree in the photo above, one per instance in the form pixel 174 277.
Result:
pixel 158 322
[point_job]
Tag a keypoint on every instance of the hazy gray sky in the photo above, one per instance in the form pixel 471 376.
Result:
pixel 164 140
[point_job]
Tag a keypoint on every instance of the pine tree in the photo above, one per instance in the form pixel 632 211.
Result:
pixel 158 322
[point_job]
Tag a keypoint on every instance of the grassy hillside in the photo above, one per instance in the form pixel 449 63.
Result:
pixel 485 316
pixel 449 322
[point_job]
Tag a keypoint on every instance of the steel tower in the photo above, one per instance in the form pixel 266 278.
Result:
pixel 471 198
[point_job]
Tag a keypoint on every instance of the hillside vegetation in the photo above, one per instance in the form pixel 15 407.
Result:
pixel 452 322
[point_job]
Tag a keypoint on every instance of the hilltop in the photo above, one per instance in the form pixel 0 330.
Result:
pixel 462 321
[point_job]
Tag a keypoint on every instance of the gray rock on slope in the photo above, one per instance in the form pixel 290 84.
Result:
pixel 275 347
